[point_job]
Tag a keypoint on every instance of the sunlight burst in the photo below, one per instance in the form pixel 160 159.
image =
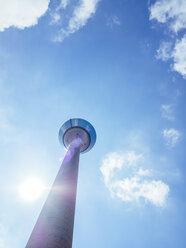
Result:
pixel 31 189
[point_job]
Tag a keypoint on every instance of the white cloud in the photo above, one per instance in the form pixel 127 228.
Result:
pixel 136 187
pixel 172 12
pixel 25 13
pixel 172 136
pixel 115 161
pixel 21 13
pixel 164 52
pixel 179 56
pixel 167 111
pixel 82 12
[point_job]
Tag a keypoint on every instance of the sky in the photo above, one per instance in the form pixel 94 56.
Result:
pixel 121 65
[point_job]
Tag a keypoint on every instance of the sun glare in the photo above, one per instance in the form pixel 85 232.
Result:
pixel 31 189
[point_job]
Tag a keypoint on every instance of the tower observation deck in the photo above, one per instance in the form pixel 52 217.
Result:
pixel 54 227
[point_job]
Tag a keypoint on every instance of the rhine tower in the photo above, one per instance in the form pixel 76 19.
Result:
pixel 54 227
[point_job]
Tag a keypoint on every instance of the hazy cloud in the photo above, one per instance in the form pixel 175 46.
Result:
pixel 55 17
pixel 63 4
pixel 21 13
pixel 142 172
pixel 113 21
pixel 172 136
pixel 139 185
pixel 167 111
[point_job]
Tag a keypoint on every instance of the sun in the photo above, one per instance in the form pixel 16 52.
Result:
pixel 31 189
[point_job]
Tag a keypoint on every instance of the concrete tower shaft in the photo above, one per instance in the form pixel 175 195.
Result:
pixel 54 228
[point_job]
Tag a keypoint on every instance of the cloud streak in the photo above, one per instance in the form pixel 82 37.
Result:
pixel 81 14
pixel 139 186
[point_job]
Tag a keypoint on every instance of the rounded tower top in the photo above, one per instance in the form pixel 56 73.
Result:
pixel 77 128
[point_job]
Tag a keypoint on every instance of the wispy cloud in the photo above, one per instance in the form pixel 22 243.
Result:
pixel 63 4
pixel 113 21
pixel 167 111
pixel 172 136
pixel 55 17
pixel 21 14
pixel 172 13
pixel 81 14
pixel 139 185
pixel 56 14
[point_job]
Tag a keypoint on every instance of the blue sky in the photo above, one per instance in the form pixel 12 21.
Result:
pixel 122 66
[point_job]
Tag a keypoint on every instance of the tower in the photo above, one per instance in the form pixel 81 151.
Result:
pixel 54 227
